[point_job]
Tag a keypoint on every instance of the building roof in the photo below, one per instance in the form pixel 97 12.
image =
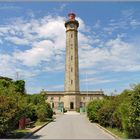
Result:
pixel 55 92
pixel 81 92
pixel 91 92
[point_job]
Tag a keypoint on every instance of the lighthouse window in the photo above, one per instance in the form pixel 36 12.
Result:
pixel 71 69
pixel 71 57
pixel 71 82
pixel 71 35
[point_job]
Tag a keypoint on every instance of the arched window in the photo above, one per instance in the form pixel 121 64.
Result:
pixel 52 105
pixel 51 98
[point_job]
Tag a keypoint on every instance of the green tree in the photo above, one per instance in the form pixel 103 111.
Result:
pixel 8 110
pixel 37 99
pixel 14 105
pixel 20 86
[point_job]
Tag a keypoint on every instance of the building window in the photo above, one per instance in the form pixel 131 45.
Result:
pixel 71 82
pixel 83 98
pixel 59 98
pixel 71 69
pixel 51 98
pixel 71 57
pixel 71 35
pixel 81 104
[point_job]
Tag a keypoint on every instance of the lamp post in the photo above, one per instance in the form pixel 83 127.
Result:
pixel 87 93
pixel 51 101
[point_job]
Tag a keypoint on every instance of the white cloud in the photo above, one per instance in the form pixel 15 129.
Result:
pixel 17 40
pixel 91 81
pixel 54 68
pixel 31 13
pixel 45 40
pixel 41 52
pixel 9 7
pixel 134 23
pixel 128 13
pixel 1 42
pixel 61 8
pixel 56 87
pixel 97 25
pixel 125 22
pixel 82 26
pixel 86 72
pixel 3 29
pixel 50 32
pixel 7 65
pixel 116 55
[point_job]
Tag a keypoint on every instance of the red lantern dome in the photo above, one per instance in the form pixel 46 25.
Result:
pixel 71 16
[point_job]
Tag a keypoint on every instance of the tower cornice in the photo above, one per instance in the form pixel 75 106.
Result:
pixel 71 30
pixel 71 21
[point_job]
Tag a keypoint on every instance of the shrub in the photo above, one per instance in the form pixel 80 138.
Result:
pixel 133 121
pixel 92 109
pixel 107 115
pixel 65 110
pixel 121 111
pixel 129 111
pixel 44 111
pixel 78 109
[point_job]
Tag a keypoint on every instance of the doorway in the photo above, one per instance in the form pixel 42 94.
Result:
pixel 71 105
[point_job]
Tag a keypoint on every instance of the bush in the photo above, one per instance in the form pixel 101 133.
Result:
pixel 121 112
pixel 44 111
pixel 65 110
pixel 78 109
pixel 129 111
pixel 134 119
pixel 108 114
pixel 92 109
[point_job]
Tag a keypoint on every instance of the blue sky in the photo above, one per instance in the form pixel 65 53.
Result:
pixel 32 44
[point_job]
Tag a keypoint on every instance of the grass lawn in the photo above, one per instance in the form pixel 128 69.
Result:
pixel 37 123
pixel 19 133
pixel 117 132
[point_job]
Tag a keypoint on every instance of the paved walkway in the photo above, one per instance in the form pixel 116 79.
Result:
pixel 71 125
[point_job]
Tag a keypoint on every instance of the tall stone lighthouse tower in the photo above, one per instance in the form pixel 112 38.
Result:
pixel 71 65
pixel 71 98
